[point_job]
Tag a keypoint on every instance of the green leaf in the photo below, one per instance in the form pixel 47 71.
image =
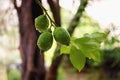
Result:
pixel 82 40
pixel 86 44
pixel 88 47
pixel 94 55
pixel 77 58
pixel 97 36
pixel 65 49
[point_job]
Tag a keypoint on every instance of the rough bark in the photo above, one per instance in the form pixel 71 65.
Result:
pixel 32 62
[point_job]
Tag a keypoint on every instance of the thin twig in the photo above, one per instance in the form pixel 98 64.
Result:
pixel 45 11
pixel 15 6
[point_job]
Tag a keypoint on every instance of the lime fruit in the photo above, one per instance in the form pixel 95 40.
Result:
pixel 45 41
pixel 41 23
pixel 61 36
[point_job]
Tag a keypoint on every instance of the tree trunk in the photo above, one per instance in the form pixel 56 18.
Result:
pixel 32 62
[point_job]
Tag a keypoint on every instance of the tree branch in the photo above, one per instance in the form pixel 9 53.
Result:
pixel 75 21
pixel 55 8
pixel 16 7
pixel 53 70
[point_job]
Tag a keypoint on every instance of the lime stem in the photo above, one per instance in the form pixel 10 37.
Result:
pixel 45 11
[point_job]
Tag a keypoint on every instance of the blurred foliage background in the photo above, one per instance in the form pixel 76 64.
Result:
pixel 107 69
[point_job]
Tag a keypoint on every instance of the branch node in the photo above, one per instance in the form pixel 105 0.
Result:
pixel 15 5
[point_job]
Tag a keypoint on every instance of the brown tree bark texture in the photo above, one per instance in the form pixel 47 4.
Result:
pixel 32 62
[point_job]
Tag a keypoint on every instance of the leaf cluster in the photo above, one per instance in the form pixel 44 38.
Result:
pixel 87 46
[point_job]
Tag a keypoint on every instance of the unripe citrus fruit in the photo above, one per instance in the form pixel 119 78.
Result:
pixel 61 36
pixel 41 23
pixel 45 41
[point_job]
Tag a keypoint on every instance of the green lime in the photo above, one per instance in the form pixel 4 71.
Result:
pixel 61 36
pixel 41 23
pixel 45 41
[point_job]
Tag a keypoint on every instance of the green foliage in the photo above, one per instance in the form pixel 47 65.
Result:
pixel 111 55
pixel 88 21
pixel 87 46
pixel 61 35
pixel 97 36
pixel 77 58
pixel 109 43
pixel 14 74
pixel 65 49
